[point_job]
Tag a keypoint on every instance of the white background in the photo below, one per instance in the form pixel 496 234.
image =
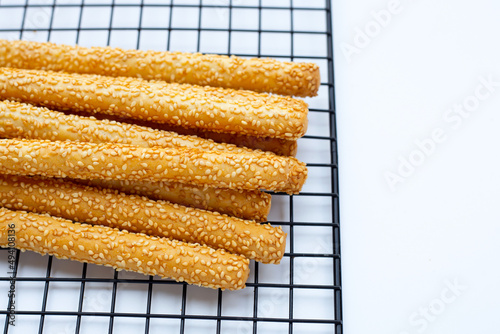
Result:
pixel 439 226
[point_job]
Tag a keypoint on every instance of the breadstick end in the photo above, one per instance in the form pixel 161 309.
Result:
pixel 242 276
pixel 278 247
pixel 266 207
pixel 297 177
pixel 315 81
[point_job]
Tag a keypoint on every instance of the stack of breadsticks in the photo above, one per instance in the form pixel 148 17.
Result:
pixel 140 165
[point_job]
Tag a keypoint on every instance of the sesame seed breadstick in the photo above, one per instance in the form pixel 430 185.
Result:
pixel 61 198
pixel 284 147
pixel 21 120
pixel 277 146
pixel 245 204
pixel 261 75
pixel 216 109
pixel 249 171
pixel 102 245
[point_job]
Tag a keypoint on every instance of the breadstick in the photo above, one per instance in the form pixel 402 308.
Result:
pixel 183 262
pixel 284 147
pixel 261 75
pixel 21 120
pixel 84 204
pixel 245 204
pixel 216 109
pixel 250 171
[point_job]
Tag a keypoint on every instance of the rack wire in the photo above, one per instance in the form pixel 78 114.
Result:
pixel 303 294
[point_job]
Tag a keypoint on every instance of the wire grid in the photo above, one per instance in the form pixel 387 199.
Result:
pixel 183 26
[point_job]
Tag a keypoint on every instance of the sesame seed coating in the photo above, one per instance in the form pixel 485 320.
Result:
pixel 21 120
pixel 277 146
pixel 62 198
pixel 79 160
pixel 122 250
pixel 261 75
pixel 216 109
pixel 245 204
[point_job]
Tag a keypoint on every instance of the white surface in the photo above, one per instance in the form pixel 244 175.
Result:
pixel 401 248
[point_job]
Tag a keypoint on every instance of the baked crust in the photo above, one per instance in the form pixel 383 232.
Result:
pixel 257 74
pixel 122 250
pixel 65 199
pixel 249 171
pixel 215 109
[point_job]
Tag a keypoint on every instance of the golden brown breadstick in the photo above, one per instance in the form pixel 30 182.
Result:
pixel 277 146
pixel 21 120
pixel 61 198
pixel 245 204
pixel 216 109
pixel 261 75
pixel 184 262
pixel 250 171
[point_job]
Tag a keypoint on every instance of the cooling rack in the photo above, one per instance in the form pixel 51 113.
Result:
pixel 303 293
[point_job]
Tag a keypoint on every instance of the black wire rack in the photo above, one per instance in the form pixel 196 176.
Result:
pixel 303 293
